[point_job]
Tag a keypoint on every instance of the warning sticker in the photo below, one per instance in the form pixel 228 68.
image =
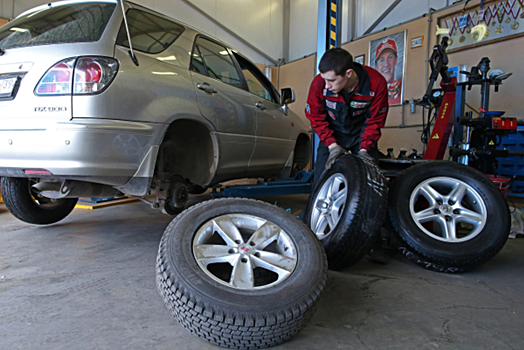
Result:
pixel 435 137
pixel 491 143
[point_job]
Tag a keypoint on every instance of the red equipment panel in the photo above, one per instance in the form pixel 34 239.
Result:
pixel 445 119
pixel 504 123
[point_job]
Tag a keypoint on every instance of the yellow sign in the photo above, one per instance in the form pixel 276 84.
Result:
pixel 435 137
pixel 491 143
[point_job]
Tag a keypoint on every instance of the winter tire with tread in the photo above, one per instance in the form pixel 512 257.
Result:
pixel 346 209
pixel 240 273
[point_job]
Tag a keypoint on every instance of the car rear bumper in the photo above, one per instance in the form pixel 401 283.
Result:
pixel 105 151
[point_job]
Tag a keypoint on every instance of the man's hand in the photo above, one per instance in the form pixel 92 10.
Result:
pixel 334 152
pixel 364 154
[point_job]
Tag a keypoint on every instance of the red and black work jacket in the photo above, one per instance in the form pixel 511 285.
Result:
pixel 353 121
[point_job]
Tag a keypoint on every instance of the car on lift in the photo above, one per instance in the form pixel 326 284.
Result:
pixel 101 98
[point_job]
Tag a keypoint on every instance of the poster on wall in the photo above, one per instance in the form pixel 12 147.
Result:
pixel 386 55
pixel 495 21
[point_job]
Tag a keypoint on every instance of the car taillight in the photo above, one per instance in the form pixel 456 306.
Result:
pixel 94 74
pixel 83 75
pixel 57 80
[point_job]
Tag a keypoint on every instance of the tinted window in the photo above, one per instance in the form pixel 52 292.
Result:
pixel 73 23
pixel 217 61
pixel 256 81
pixel 149 33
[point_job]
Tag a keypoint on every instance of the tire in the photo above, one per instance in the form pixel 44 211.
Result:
pixel 466 222
pixel 301 155
pixel 27 206
pixel 234 312
pixel 348 226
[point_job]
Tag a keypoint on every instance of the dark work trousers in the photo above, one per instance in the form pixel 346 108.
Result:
pixel 323 155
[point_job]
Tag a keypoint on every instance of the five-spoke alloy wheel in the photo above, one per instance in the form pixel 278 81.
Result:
pixel 240 273
pixel 447 216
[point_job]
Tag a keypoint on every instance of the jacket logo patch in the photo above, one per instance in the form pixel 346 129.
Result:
pixel 360 111
pixel 308 109
pixel 331 104
pixel 331 115
pixel 356 104
pixel 371 93
pixel 383 110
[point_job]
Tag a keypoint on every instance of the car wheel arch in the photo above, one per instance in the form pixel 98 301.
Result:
pixel 189 148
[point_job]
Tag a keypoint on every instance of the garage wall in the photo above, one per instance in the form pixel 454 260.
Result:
pixel 259 23
pixel 303 18
pixel 298 75
pixel 403 128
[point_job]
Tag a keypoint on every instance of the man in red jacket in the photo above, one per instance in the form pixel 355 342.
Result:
pixel 347 106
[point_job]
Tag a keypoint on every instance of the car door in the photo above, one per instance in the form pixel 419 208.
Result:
pixel 224 102
pixel 274 142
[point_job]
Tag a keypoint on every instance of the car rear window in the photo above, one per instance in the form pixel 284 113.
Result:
pixel 149 33
pixel 72 23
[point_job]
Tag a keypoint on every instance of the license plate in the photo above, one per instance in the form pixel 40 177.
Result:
pixel 6 86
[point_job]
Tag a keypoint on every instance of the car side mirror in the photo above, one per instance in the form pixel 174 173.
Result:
pixel 287 96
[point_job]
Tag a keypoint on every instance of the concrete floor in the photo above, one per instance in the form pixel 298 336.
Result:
pixel 88 283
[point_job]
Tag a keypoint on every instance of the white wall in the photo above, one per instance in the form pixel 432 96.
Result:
pixel 258 22
pixel 302 28
pixel 370 10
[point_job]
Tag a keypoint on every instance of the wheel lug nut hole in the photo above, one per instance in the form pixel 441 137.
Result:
pixel 252 244
pixel 231 251
pixel 244 260
pixel 257 254
pixel 238 241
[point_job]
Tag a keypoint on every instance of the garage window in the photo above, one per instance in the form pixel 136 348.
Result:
pixel 216 60
pixel 149 33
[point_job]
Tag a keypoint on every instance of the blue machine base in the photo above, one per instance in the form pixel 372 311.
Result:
pixel 301 183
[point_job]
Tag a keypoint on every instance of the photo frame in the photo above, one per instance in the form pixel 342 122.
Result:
pixel 417 42
pixel 360 59
pixel 387 56
pixel 498 20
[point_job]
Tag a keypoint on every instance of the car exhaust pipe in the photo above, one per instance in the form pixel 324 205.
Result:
pixel 75 189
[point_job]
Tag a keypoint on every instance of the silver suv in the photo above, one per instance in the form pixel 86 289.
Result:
pixel 95 104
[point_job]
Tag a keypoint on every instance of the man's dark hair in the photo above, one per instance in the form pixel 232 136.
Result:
pixel 338 60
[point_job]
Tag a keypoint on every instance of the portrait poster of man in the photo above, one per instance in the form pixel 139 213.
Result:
pixel 386 55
